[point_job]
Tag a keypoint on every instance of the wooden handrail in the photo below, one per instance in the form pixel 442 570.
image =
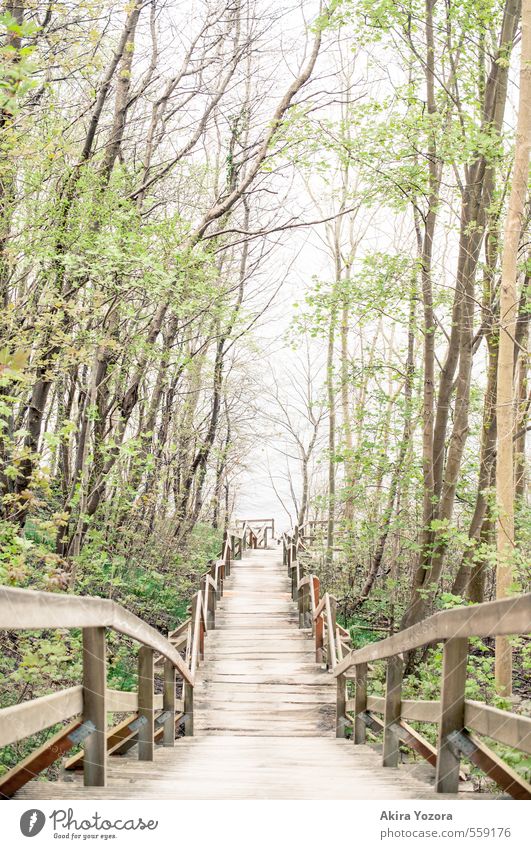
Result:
pixel 32 609
pixel 26 718
pixel 321 612
pixel 454 714
pixel 504 616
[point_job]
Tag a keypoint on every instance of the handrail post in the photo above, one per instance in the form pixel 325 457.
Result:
pixel 455 658
pixel 188 702
pixel 146 704
pixel 341 706
pixel 216 569
pixel 319 629
pixel 331 653
pixel 211 603
pixel 94 709
pixel 197 601
pixel 393 704
pixel 294 579
pixel 301 605
pixel 168 703
pixel 360 703
pixel 307 616
pixel 314 599
pixel 209 594
pixel 228 552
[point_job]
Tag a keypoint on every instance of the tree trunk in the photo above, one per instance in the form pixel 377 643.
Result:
pixel 508 315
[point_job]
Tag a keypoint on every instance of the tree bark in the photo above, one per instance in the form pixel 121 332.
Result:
pixel 508 315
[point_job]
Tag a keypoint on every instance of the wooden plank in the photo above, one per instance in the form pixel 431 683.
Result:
pixel 250 768
pixel 39 760
pixel 121 701
pixel 512 729
pixel 452 713
pixel 146 707
pixel 94 706
pixel 254 691
pixel 509 728
pixel 27 718
pixel 416 741
pixel 417 710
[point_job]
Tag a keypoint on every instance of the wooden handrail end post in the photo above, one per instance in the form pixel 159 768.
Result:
pixel 188 710
pixel 360 703
pixel 341 704
pixel 146 704
pixel 168 703
pixel 452 717
pixel 94 706
pixel 393 702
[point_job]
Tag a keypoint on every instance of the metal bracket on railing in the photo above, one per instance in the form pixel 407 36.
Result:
pixel 376 725
pixel 365 717
pixel 162 717
pixel 460 743
pixel 138 723
pixel 76 737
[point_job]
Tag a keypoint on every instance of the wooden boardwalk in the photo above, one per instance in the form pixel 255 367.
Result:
pixel 264 716
pixel 259 677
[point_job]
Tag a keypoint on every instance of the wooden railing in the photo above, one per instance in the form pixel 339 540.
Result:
pixel 255 531
pixel 332 641
pixel 456 716
pixel 153 718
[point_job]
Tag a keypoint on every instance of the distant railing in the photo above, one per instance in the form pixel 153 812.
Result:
pixel 456 716
pixel 257 531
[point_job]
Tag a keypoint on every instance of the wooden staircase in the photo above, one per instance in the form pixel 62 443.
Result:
pixel 263 698
pixel 264 715
pixel 259 677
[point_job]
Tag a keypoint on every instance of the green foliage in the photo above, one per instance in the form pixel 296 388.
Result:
pixel 16 67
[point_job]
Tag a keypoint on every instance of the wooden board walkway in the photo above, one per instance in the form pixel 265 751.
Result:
pixel 263 720
pixel 259 677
